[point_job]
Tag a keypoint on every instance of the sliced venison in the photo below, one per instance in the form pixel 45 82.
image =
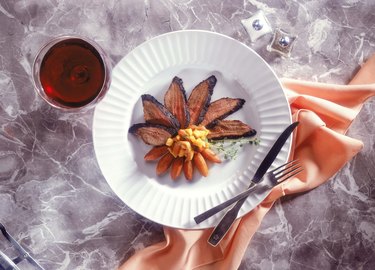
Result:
pixel 152 134
pixel 155 113
pixel 230 129
pixel 175 101
pixel 200 98
pixel 221 108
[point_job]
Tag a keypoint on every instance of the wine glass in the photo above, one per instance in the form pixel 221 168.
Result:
pixel 71 73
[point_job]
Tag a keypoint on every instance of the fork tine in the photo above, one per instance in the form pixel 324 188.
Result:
pixel 286 170
pixel 288 175
pixel 284 165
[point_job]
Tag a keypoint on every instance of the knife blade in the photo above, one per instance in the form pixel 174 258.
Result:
pixel 19 248
pixel 226 222
pixel 257 176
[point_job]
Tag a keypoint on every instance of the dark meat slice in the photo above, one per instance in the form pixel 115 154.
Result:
pixel 175 101
pixel 230 129
pixel 155 113
pixel 221 108
pixel 200 98
pixel 152 134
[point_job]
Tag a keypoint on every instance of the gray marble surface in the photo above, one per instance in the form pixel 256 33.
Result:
pixel 53 197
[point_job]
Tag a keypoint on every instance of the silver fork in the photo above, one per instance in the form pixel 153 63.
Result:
pixel 269 180
pixel 262 189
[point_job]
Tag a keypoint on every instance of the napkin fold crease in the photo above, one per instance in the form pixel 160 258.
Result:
pixel 325 112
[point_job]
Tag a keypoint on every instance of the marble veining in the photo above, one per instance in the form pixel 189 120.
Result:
pixel 53 197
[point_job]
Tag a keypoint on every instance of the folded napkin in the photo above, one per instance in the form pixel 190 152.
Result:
pixel 325 112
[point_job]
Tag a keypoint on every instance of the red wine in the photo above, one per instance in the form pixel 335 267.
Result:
pixel 72 73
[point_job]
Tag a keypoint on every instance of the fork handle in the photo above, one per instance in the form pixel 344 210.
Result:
pixel 214 210
pixel 225 223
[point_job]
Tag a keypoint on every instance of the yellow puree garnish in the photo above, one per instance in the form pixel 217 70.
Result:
pixel 188 140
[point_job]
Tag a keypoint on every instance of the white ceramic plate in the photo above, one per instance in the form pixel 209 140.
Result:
pixel 192 55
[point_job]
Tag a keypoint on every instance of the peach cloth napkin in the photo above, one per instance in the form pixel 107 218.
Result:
pixel 325 112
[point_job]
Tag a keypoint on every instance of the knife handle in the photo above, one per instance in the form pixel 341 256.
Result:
pixel 214 210
pixel 225 223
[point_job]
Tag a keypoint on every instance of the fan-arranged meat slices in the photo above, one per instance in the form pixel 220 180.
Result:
pixel 152 134
pixel 180 131
pixel 221 108
pixel 155 113
pixel 230 129
pixel 200 98
pixel 175 101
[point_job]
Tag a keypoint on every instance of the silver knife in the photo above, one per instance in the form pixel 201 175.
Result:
pixel 19 248
pixel 226 222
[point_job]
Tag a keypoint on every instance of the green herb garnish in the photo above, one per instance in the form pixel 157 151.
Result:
pixel 229 147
